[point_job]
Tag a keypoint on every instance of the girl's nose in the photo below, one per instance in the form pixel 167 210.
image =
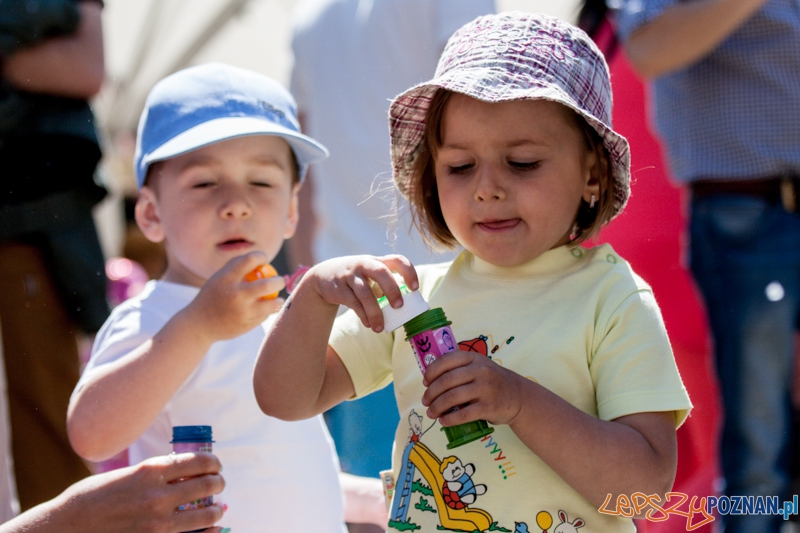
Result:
pixel 488 186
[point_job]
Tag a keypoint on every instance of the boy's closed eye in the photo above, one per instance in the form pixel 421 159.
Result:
pixel 524 165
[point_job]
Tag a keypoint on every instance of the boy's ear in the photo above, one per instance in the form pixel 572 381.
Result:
pixel 294 212
pixel 147 215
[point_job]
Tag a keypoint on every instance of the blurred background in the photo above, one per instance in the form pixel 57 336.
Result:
pixel 149 39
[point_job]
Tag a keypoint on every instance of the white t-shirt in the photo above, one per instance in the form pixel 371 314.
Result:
pixel 280 476
pixel 351 58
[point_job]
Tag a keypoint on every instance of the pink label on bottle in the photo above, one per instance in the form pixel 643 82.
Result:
pixel 183 447
pixel 429 345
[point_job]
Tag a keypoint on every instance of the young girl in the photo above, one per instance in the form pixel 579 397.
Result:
pixel 507 152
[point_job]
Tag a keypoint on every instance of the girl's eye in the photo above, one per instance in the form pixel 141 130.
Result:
pixel 460 169
pixel 203 185
pixel 524 165
pixel 261 184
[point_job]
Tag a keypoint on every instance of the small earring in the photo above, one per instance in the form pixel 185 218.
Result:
pixel 592 202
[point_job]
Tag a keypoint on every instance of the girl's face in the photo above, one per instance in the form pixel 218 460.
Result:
pixel 511 176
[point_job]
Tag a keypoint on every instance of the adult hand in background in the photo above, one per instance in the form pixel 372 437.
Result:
pixel 138 498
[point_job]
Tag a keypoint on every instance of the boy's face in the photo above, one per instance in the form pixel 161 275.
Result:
pixel 219 202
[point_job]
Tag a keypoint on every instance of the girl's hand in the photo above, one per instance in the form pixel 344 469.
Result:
pixel 482 389
pixel 350 281
pixel 228 305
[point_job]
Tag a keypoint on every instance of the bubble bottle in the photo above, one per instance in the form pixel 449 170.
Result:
pixel 193 439
pixel 429 333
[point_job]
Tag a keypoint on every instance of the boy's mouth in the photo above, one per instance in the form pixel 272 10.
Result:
pixel 234 244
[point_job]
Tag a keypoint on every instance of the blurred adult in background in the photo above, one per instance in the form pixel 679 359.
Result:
pixel 351 57
pixel 52 282
pixel 725 77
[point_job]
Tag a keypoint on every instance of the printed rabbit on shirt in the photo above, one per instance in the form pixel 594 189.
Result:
pixel 566 526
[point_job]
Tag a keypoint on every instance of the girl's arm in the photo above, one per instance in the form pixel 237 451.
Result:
pixel 121 399
pixel 297 375
pixel 635 453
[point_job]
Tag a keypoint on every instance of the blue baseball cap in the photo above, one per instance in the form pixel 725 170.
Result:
pixel 214 102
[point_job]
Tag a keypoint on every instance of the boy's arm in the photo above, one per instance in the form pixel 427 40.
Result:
pixel 120 401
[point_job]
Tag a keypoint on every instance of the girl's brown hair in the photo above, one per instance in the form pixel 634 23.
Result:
pixel 424 195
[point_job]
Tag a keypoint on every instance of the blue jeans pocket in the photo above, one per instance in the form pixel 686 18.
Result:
pixel 735 219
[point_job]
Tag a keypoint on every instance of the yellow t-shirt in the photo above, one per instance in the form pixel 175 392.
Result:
pixel 579 322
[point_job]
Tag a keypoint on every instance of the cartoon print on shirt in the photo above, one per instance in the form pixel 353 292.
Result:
pixel 566 526
pixel 447 489
pixel 459 490
pixel 481 344
pixel 422 472
pixel 415 426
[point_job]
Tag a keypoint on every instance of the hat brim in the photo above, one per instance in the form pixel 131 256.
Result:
pixel 306 149
pixel 409 110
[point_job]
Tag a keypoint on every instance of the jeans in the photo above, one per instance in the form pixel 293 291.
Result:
pixel 745 256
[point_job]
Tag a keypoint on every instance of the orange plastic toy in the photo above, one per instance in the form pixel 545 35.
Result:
pixel 263 272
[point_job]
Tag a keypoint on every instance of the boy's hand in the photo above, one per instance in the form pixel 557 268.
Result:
pixel 228 305
pixel 482 389
pixel 349 281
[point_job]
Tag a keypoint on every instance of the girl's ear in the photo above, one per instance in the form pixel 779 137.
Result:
pixel 596 172
pixel 147 215
pixel 294 212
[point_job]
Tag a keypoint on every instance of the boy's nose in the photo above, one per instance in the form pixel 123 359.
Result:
pixel 235 205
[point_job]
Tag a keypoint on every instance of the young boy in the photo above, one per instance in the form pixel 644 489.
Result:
pixel 219 163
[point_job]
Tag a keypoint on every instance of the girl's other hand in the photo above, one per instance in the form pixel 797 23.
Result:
pixel 349 281
pixel 482 390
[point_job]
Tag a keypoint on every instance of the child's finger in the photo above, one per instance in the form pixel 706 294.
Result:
pixel 450 380
pixel 466 412
pixel 238 267
pixel 367 304
pixel 401 265
pixel 383 277
pixel 265 289
pixel 445 364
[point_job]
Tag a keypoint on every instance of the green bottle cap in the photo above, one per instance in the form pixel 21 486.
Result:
pixel 430 319
pixel 464 433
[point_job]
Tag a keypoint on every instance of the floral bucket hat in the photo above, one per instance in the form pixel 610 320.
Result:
pixel 514 56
